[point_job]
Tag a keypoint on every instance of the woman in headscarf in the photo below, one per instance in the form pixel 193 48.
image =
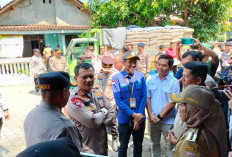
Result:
pixel 205 122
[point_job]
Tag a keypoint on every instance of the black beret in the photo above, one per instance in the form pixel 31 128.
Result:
pixel 54 80
pixel 61 147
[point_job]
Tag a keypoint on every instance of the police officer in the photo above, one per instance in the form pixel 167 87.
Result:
pixel 37 67
pixel 62 147
pixel 104 81
pixel 90 110
pixel 204 118
pixel 144 64
pixel 47 52
pixel 46 122
pixel 58 62
pixel 130 94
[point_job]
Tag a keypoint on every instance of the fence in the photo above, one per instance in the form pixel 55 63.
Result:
pixel 15 71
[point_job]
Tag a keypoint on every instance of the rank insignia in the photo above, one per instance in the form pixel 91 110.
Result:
pixel 188 154
pixel 191 149
pixel 76 102
pixel 99 94
pixel 81 92
pixel 95 91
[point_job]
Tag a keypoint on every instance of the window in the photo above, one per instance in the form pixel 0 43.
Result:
pixel 50 1
pixel 43 1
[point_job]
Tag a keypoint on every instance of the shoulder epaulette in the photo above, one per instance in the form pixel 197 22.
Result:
pixel 192 135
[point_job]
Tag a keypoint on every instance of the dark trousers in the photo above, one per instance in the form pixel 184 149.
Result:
pixel 125 132
pixel 1 122
pixel 36 80
pixel 114 131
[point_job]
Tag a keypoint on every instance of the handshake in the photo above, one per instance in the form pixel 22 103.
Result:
pixel 138 117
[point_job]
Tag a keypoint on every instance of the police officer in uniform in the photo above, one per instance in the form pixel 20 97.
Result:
pixel 144 64
pixel 37 67
pixel 205 122
pixel 90 110
pixel 46 122
pixel 104 81
pixel 58 62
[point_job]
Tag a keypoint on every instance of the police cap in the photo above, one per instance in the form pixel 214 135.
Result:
pixel 141 44
pixel 61 147
pixel 54 80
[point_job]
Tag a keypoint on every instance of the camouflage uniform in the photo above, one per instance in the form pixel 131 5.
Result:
pixel 144 64
pixel 58 64
pixel 92 113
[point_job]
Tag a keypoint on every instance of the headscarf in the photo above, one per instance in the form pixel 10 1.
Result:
pixel 212 123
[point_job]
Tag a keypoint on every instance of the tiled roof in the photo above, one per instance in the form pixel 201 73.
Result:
pixel 42 27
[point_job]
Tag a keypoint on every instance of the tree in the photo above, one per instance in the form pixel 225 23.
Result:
pixel 209 18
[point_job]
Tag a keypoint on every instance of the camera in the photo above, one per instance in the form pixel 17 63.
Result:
pixel 223 81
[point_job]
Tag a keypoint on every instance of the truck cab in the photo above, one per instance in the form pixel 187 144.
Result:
pixel 78 47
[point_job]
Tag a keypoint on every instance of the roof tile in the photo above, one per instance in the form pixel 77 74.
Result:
pixel 42 27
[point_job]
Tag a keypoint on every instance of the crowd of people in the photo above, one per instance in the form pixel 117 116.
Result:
pixel 189 105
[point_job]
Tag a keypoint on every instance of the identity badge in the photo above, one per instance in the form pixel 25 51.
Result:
pixel 132 103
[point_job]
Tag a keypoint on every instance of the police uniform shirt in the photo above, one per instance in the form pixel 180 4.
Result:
pixel 105 82
pixel 92 113
pixel 191 144
pixel 46 122
pixel 144 64
pixel 37 66
pixel 58 64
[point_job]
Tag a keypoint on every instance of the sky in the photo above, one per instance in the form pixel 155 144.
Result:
pixel 4 2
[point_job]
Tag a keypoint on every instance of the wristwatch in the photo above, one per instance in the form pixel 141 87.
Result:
pixel 160 117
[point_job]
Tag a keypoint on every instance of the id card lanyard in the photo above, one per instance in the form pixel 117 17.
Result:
pixel 132 99
pixel 131 89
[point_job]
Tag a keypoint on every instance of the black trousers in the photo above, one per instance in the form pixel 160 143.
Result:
pixel 125 131
pixel 36 80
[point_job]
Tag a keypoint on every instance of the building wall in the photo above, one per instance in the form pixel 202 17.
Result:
pixel 52 40
pixel 68 13
pixel 61 12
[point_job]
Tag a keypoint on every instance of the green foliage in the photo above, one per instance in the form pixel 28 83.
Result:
pixel 21 71
pixel 209 18
pixel 114 13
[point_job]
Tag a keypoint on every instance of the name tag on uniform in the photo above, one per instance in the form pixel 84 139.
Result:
pixel 132 103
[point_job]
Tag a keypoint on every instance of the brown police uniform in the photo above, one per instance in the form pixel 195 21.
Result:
pixel 144 64
pixel 47 53
pixel 58 64
pixel 191 144
pixel 92 113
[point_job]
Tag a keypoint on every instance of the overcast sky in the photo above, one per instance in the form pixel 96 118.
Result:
pixel 4 2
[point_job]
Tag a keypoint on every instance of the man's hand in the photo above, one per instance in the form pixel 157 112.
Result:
pixel 197 43
pixel 6 115
pixel 171 138
pixel 137 117
pixel 179 45
pixel 157 119
pixel 35 76
pixel 152 119
pixel 136 125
